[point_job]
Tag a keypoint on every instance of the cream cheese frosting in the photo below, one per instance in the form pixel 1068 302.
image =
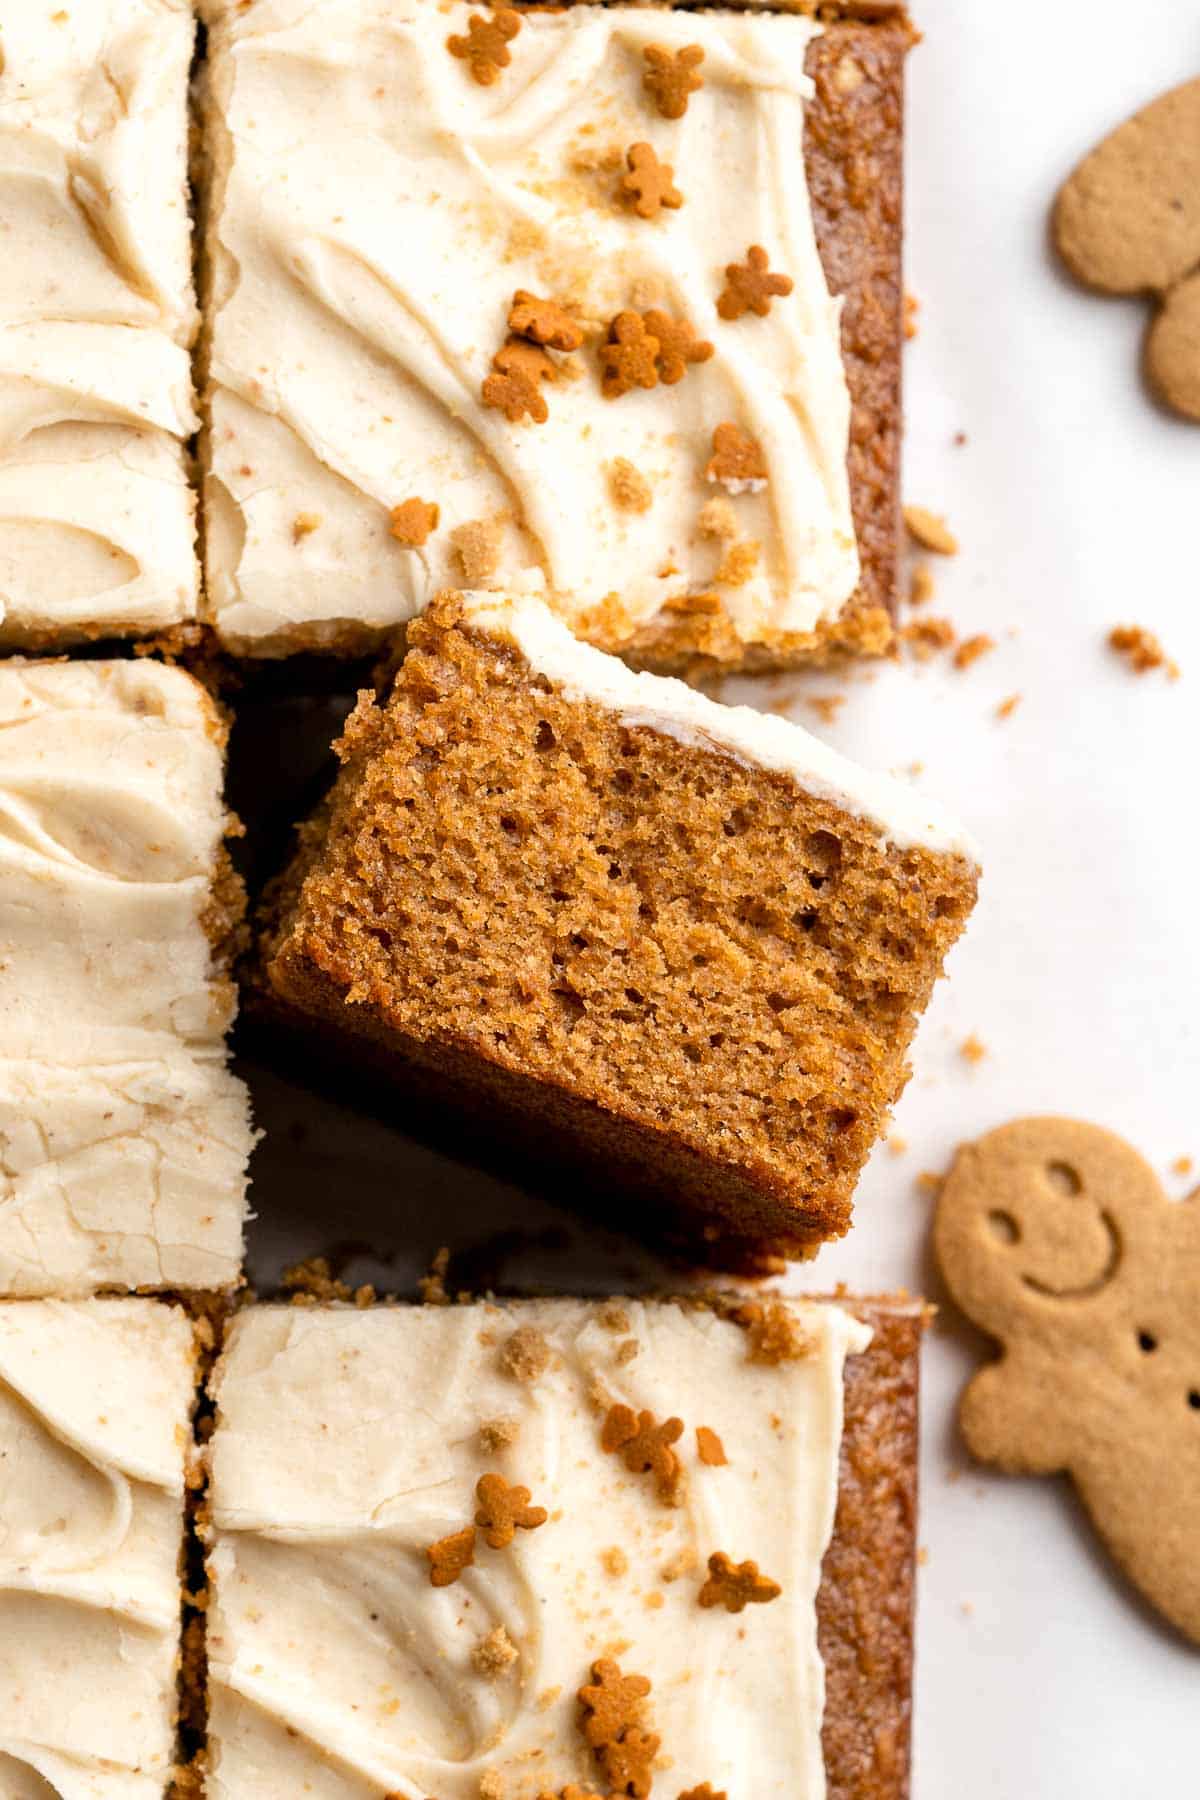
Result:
pixel 123 1136
pixel 904 817
pixel 374 210
pixel 95 1407
pixel 349 1441
pixel 97 314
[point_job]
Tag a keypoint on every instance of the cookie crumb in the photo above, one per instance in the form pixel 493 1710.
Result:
pixel 1008 707
pixel 679 1565
pixel 912 307
pixel 709 1448
pixel 972 648
pixel 614 1562
pixel 1141 650
pixel 628 1351
pixel 897 1145
pixel 304 524
pixel 477 544
pixel 499 1434
pixel 432 1287
pixel 738 563
pixel 921 585
pixel 412 521
pixel 717 519
pixel 494 1654
pixel 1183 1165
pixel 630 490
pixel 826 706
pixel 775 1333
pixel 526 1355
pixel 930 530
pixel 972 1049
pixel 927 637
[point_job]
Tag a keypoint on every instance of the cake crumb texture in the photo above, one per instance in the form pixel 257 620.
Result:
pixel 709 973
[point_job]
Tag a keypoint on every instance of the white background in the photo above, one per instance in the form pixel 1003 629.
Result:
pixel 1040 1677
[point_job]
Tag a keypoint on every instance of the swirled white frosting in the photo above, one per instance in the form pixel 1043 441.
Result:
pixel 123 1137
pixel 96 316
pixel 348 1441
pixel 95 1401
pixel 374 210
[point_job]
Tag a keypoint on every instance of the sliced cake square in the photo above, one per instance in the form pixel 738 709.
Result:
pixel 547 303
pixel 684 941
pixel 97 519
pixel 123 1136
pixel 95 1439
pixel 563 1547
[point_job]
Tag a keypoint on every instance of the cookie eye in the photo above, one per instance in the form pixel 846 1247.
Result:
pixel 1147 1341
pixel 1194 1399
pixel 1063 1178
pixel 1004 1227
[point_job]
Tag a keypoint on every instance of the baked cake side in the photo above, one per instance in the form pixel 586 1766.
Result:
pixel 124 1138
pixel 489 405
pixel 686 939
pixel 503 1549
pixel 95 1439
pixel 97 316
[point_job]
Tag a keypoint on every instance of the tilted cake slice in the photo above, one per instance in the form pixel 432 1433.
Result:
pixel 124 1137
pixel 563 1547
pixel 95 1440
pixel 684 943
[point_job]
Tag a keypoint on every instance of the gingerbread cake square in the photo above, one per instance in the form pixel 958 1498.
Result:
pixel 545 302
pixel 95 1439
pixel 563 1546
pixel 684 943
pixel 123 1136
pixel 97 315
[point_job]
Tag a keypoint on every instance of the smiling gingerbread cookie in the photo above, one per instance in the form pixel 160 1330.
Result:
pixel 1057 1239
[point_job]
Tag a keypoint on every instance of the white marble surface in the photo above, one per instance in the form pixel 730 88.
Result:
pixel 1076 501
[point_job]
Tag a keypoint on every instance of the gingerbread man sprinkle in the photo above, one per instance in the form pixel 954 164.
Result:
pixel 736 1585
pixel 649 184
pixel 543 322
pixel 628 1765
pixel 612 1703
pixel 678 345
pixel 513 386
pixel 645 1446
pixel 629 358
pixel 737 461
pixel 671 78
pixel 485 47
pixel 450 1556
pixel 750 286
pixel 505 1510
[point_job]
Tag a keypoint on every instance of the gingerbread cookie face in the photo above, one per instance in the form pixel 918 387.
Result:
pixel 1128 222
pixel 1057 1239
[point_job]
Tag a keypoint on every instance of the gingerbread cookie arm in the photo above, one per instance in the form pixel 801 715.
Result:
pixel 1010 1417
pixel 1172 355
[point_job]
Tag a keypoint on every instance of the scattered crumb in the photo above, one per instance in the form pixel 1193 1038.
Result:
pixel 491 1785
pixel 929 1183
pixel 614 1318
pixel 1183 1165
pixel 972 648
pixel 738 563
pixel 494 1653
pixel 966 1608
pixel 547 1697
pixel 972 1049
pixel 627 1350
pixel 313 1283
pixel 1008 707
pixel 526 1355
pixel 926 637
pixel 921 585
pixel 717 519
pixel 614 1562
pixel 679 1565
pixel 709 1448
pixel 826 706
pixel 653 1601
pixel 897 1145
pixel 432 1287
pixel 628 486
pixel 412 521
pixel 930 530
pixel 1141 650
pixel 304 524
pixel 598 1396
pixel 776 1335
pixel 477 544
pixel 912 307
pixel 959 439
pixel 922 1556
pixel 499 1434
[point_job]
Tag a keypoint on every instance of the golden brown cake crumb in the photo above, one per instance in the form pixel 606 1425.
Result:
pixel 709 1448
pixel 737 458
pixel 926 637
pixel 739 563
pixel 774 1333
pixel 1008 707
pixel 930 530
pixel 304 524
pixel 972 648
pixel 313 1283
pixel 736 1585
pixel 432 1287
pixel 717 518
pixel 1183 1165
pixel 615 1318
pixel 826 706
pixel 921 587
pixel 679 1565
pixel 912 307
pixel 614 1562
pixel 627 1351
pixel 413 521
pixel 526 1355
pixel 499 1434
pixel 972 1049
pixel 491 1785
pixel 478 546
pixel 1141 650
pixel 628 486
pixel 493 1654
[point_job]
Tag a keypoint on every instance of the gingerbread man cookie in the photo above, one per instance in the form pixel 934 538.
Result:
pixel 1128 222
pixel 1058 1240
